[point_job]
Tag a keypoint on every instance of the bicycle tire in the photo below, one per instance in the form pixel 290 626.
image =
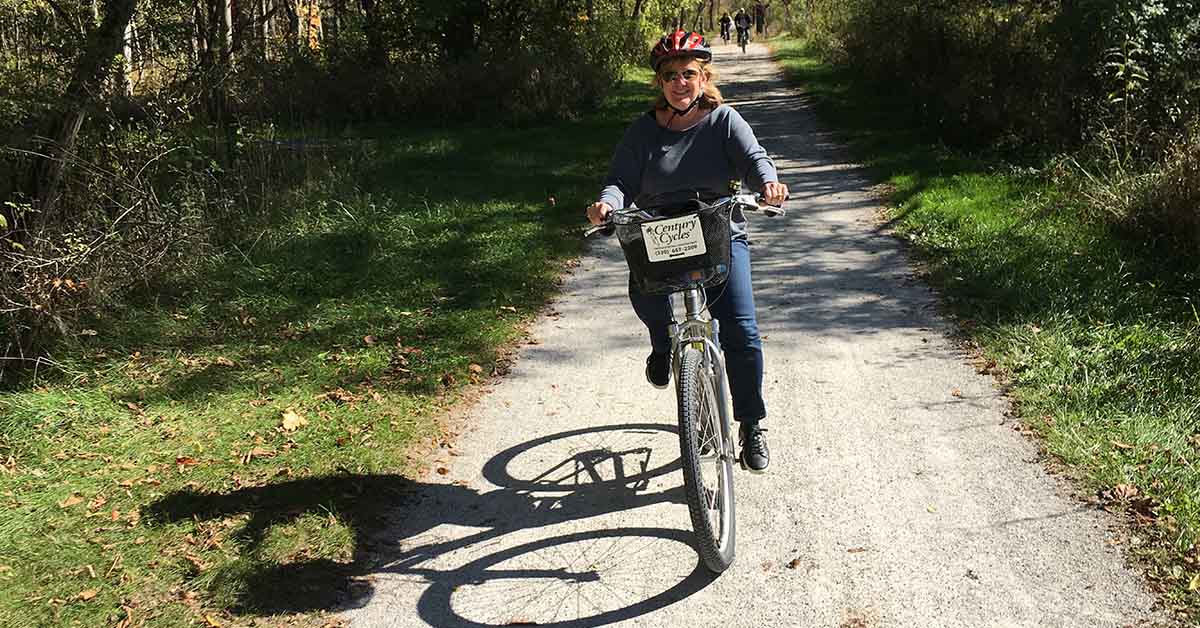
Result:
pixel 711 507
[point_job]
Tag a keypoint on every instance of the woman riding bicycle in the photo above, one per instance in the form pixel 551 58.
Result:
pixel 726 26
pixel 691 142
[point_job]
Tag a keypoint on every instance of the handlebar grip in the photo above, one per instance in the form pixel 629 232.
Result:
pixel 770 210
pixel 606 229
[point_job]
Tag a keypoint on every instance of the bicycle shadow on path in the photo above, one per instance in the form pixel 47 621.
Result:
pixel 394 521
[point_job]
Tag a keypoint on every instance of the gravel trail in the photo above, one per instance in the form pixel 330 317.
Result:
pixel 898 495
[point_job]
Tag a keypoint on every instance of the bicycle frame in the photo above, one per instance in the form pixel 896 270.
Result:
pixel 700 330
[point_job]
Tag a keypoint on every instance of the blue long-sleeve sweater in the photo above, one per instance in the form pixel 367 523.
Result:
pixel 652 161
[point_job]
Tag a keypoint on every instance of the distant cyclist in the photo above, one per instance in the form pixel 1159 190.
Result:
pixel 743 21
pixel 726 26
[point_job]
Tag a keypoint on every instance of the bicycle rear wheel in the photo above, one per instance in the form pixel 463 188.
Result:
pixel 707 457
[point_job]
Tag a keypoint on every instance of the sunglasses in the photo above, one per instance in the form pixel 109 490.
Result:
pixel 688 75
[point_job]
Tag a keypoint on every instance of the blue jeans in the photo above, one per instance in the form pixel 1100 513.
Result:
pixel 732 304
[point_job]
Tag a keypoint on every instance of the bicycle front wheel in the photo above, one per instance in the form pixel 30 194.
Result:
pixel 707 457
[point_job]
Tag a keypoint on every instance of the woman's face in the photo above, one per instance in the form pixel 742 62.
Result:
pixel 683 81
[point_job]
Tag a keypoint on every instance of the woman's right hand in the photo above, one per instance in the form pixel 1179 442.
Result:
pixel 597 212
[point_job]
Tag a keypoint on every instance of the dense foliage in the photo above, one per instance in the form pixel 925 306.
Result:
pixel 1048 72
pixel 137 135
pixel 1113 83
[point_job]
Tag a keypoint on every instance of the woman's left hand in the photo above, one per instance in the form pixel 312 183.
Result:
pixel 775 193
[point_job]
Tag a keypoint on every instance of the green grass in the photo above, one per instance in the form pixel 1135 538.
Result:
pixel 1096 332
pixel 154 475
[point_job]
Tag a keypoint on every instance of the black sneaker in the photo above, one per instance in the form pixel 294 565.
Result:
pixel 755 455
pixel 658 369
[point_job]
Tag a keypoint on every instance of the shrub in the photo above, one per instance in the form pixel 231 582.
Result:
pixel 1172 202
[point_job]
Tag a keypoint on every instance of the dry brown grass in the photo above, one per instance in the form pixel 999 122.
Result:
pixel 1174 198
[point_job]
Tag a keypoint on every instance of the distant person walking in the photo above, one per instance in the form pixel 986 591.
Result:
pixel 760 18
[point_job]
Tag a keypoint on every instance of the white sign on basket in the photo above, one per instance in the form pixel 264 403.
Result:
pixel 673 238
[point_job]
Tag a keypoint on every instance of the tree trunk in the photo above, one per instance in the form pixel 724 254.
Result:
pixel 199 33
pixel 293 17
pixel 333 22
pixel 83 90
pixel 126 82
pixel 637 9
pixel 375 50
pixel 226 34
pixel 264 29
pixel 591 10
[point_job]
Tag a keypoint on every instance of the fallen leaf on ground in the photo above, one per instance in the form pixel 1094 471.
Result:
pixel 856 550
pixel 508 308
pixel 223 361
pixel 186 460
pixel 338 395
pixel 793 563
pixel 443 470
pixel 370 340
pixel 1195 583
pixel 956 392
pixel 1124 491
pixel 292 421
pixel 257 452
pixel 1120 445
pixel 70 501
pixel 196 562
pixel 475 368
pixel 87 595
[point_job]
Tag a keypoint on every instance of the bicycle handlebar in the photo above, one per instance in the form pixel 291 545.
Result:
pixel 750 202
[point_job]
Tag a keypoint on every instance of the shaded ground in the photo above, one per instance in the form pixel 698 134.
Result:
pixel 898 496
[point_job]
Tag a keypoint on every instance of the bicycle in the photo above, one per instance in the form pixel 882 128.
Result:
pixel 743 38
pixel 725 34
pixel 679 250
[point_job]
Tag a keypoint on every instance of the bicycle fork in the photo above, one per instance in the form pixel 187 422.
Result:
pixel 702 333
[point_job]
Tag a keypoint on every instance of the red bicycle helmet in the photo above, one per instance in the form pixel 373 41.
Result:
pixel 681 43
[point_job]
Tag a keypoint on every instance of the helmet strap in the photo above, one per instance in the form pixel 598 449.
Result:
pixel 682 112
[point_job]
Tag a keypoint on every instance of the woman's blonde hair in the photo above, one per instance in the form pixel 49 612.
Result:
pixel 710 98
